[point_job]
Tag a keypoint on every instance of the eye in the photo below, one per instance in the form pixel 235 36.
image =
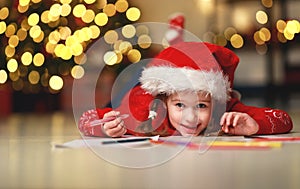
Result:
pixel 179 105
pixel 201 105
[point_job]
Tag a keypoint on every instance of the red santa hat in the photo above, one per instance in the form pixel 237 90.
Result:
pixel 191 66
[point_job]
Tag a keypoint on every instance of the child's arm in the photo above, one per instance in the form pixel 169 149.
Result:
pixel 269 121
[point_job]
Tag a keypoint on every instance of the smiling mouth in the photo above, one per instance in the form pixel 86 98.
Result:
pixel 190 127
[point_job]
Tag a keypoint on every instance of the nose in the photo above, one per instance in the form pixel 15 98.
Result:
pixel 190 117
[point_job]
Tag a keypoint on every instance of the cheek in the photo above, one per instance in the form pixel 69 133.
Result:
pixel 174 116
pixel 205 118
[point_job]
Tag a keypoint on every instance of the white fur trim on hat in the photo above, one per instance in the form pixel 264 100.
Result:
pixel 168 80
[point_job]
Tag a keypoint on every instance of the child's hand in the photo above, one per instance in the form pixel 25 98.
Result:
pixel 114 128
pixel 237 123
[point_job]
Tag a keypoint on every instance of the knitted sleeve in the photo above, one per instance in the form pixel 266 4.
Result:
pixel 270 121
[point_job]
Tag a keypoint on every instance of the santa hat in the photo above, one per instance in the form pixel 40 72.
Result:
pixel 176 25
pixel 191 66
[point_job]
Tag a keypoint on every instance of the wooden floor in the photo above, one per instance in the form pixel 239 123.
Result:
pixel 29 160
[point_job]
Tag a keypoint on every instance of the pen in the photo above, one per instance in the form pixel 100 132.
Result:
pixel 127 140
pixel 104 120
pixel 281 139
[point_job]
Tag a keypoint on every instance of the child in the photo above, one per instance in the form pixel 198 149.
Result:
pixel 178 94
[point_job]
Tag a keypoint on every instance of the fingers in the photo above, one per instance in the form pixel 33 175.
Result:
pixel 230 120
pixel 115 128
pixel 111 114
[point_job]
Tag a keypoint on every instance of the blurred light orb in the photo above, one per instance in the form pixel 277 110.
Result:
pixel 128 31
pixel 101 19
pixel 12 65
pixel 121 5
pixel 77 72
pixel 26 58
pixel 133 14
pixel 261 17
pixel 56 82
pixel 134 55
pixel 237 41
pixel 3 76
pixel 110 58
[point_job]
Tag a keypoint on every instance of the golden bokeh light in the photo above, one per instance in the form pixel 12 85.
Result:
pixel 24 2
pixel 267 3
pixel 55 10
pixel 264 34
pixel 40 38
pixel 77 72
pixel 45 17
pixel 134 55
pixel 76 49
pixel 81 59
pixel 65 1
pixel 34 77
pixel 35 31
pixel 110 58
pixel 293 26
pixel 3 76
pixel 111 36
pixel 128 31
pixel 26 58
pixel 56 82
pixel 261 17
pixel 2 27
pixel 281 37
pixel 119 56
pixel 121 5
pixel 142 30
pixel 237 41
pixel 101 19
pixel 4 12
pixel 133 14
pixel 23 9
pixel 229 32
pixel 13 41
pixel 10 51
pixel 95 31
pixel 288 35
pixel 33 19
pixel 10 30
pixel 54 37
pixel 38 59
pixel 144 41
pixel 109 10
pixel 65 10
pixel 280 25
pixel 64 32
pixel 88 16
pixel 12 65
pixel 22 34
pixel 79 10
pixel 89 1
pixel 124 47
pixel 257 38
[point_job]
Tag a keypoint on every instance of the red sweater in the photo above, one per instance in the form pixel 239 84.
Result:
pixel 137 104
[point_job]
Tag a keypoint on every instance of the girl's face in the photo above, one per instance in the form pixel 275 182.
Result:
pixel 189 112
